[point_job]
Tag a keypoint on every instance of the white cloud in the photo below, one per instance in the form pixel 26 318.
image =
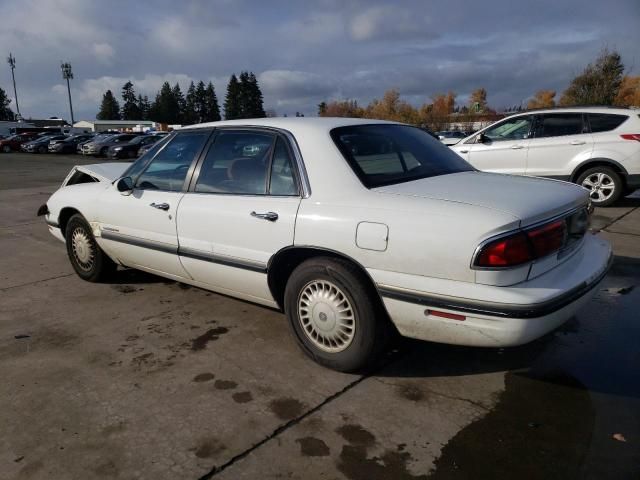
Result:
pixel 104 52
pixel 387 22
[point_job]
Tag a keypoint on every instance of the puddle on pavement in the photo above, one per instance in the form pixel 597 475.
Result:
pixel 313 447
pixel 200 343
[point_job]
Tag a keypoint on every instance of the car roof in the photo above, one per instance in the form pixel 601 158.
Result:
pixel 578 109
pixel 294 123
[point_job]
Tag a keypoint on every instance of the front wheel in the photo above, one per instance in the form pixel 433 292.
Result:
pixel 604 184
pixel 87 258
pixel 6 149
pixel 334 314
pixel 42 149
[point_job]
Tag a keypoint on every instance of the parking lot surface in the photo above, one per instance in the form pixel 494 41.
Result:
pixel 148 378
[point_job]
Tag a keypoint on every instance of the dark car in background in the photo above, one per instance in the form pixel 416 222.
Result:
pixel 69 144
pixel 100 148
pixel 100 137
pixel 132 148
pixel 13 143
pixel 41 144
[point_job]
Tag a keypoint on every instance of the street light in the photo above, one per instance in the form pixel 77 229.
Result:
pixel 11 60
pixel 67 74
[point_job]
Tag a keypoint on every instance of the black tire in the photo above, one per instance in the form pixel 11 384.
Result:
pixel 371 325
pixel 605 193
pixel 42 149
pixel 6 149
pixel 103 151
pixel 100 267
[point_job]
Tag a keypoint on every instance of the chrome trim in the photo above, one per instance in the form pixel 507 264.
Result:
pixel 222 259
pixel 302 171
pixel 482 244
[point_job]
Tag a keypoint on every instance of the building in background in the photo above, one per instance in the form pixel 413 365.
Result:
pixel 122 125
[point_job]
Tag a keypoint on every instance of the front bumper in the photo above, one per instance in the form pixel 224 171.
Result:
pixel 527 311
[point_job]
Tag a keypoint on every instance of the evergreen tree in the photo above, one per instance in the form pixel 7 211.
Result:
pixel 130 108
pixel 190 115
pixel 211 104
pixel 200 102
pixel 255 106
pixel 109 108
pixel 232 100
pixel 244 95
pixel 180 103
pixel 165 108
pixel 144 107
pixel 5 111
pixel 322 109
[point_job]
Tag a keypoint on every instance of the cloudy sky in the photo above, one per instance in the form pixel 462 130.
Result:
pixel 306 52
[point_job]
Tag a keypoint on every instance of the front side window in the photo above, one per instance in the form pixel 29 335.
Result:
pixel 516 128
pixel 387 154
pixel 238 163
pixel 168 170
pixel 605 122
pixel 559 124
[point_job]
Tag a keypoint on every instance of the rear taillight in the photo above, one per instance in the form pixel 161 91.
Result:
pixel 631 136
pixel 524 246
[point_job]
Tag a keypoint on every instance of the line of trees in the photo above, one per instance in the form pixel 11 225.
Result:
pixel 602 82
pixel 200 104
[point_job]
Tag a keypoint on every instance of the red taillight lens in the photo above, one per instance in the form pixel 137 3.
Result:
pixel 506 252
pixel 522 247
pixel 548 238
pixel 631 136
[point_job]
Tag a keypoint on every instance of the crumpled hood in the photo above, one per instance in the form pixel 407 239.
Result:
pixel 105 172
pixel 528 198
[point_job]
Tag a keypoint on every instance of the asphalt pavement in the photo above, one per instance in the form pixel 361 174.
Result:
pixel 148 378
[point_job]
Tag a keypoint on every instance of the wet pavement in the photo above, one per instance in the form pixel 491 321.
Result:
pixel 146 378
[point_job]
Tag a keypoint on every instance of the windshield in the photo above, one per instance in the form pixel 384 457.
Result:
pixel 382 154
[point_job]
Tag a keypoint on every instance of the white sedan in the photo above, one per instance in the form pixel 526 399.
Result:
pixel 352 227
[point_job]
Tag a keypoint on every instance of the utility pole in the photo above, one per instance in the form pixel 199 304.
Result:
pixel 11 60
pixel 67 74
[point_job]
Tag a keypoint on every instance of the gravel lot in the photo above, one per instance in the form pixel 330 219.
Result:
pixel 147 378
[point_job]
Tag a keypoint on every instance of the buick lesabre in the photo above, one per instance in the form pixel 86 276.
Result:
pixel 354 228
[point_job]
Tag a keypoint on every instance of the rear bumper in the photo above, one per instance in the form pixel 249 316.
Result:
pixel 544 304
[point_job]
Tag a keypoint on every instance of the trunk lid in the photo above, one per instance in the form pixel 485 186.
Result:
pixel 530 199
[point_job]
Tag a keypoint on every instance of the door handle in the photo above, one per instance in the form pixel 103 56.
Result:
pixel 464 151
pixel 160 206
pixel 516 147
pixel 578 142
pixel 271 216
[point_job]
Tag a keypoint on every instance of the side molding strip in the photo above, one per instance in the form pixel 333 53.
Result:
pixel 185 252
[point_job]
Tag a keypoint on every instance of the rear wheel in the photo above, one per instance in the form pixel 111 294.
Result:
pixel 604 184
pixel 87 258
pixel 42 149
pixel 6 149
pixel 334 314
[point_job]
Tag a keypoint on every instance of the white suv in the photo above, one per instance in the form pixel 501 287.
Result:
pixel 596 147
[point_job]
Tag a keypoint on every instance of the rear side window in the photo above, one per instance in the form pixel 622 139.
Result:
pixel 559 124
pixel 387 154
pixel 604 122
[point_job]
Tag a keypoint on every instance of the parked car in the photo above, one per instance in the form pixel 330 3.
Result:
pixel 598 148
pixel 131 149
pixel 101 148
pixel 13 143
pixel 352 227
pixel 88 145
pixel 450 137
pixel 68 144
pixel 145 148
pixel 41 144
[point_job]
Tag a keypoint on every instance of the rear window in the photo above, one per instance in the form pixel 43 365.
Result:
pixel 604 122
pixel 388 154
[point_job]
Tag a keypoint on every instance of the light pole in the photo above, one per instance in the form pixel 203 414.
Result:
pixel 67 74
pixel 11 60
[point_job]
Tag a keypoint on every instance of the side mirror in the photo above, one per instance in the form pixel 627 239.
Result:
pixel 125 185
pixel 482 138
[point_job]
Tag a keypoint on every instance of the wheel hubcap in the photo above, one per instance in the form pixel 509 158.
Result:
pixel 82 247
pixel 600 186
pixel 326 316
